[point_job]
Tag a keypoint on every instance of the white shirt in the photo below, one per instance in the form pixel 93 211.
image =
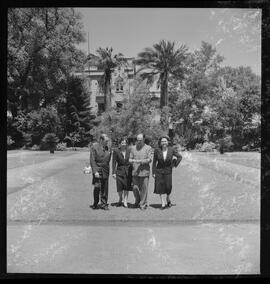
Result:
pixel 165 154
pixel 124 154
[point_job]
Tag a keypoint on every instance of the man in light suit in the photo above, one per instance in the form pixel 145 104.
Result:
pixel 100 156
pixel 140 157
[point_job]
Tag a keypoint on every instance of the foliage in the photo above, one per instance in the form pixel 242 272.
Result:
pixel 41 53
pixel 50 139
pixel 106 61
pixel 35 148
pixel 75 111
pixel 27 139
pixel 74 138
pixel 215 101
pixel 37 123
pixel 225 143
pixel 162 61
pixel 135 117
pixel 206 147
pixel 61 146
pixel 10 142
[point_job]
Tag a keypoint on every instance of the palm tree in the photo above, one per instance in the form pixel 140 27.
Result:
pixel 164 61
pixel 107 62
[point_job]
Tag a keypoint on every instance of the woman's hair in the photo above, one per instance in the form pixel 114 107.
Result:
pixel 122 139
pixel 160 138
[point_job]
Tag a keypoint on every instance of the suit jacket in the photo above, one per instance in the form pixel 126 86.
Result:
pixel 162 166
pixel 120 165
pixel 100 160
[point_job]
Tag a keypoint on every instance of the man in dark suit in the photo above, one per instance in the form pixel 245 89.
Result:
pixel 100 156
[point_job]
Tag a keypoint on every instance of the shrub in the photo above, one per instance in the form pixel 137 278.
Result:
pixel 27 139
pixel 206 147
pixel 61 146
pixel 50 139
pixel 225 144
pixel 10 141
pixel 35 147
pixel 36 124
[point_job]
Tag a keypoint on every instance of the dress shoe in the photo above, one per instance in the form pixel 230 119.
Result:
pixel 119 204
pixel 125 205
pixel 105 208
pixel 93 206
pixel 163 207
pixel 169 204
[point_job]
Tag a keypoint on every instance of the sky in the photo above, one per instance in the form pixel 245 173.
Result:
pixel 232 32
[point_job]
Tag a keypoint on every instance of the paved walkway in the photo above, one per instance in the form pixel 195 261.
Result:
pixel 213 228
pixel 58 191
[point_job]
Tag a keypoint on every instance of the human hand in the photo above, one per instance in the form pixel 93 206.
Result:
pixel 114 176
pixel 97 175
pixel 174 158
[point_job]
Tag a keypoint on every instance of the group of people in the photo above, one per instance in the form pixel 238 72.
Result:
pixel 131 170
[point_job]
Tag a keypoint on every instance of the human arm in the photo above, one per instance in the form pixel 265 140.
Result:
pixel 177 157
pixel 93 162
pixel 131 158
pixel 114 163
pixel 148 158
pixel 154 164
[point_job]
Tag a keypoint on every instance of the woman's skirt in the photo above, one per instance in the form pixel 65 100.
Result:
pixel 163 183
pixel 123 183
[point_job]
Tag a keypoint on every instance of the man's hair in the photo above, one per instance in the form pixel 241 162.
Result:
pixel 103 137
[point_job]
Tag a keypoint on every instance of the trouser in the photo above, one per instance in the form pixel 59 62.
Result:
pixel 101 191
pixel 140 190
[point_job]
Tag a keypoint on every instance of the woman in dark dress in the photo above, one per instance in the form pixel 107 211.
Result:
pixel 122 171
pixel 165 158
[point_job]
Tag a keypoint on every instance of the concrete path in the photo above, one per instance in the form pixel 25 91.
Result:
pixel 215 220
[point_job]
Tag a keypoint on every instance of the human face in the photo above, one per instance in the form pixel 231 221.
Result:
pixel 140 140
pixel 164 143
pixel 123 144
pixel 105 141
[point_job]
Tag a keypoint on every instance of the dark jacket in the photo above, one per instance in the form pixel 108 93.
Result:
pixel 165 167
pixel 100 160
pixel 120 165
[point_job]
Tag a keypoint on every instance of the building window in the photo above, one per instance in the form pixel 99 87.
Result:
pixel 119 84
pixel 101 108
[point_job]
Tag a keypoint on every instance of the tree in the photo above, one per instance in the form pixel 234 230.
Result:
pixel 246 86
pixel 202 64
pixel 106 61
pixel 37 123
pixel 50 140
pixel 164 61
pixel 190 98
pixel 41 53
pixel 75 111
pixel 134 117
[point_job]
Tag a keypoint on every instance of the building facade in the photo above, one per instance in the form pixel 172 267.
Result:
pixel 122 86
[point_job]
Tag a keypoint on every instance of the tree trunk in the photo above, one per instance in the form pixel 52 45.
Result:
pixel 52 149
pixel 164 90
pixel 108 102
pixel 107 93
